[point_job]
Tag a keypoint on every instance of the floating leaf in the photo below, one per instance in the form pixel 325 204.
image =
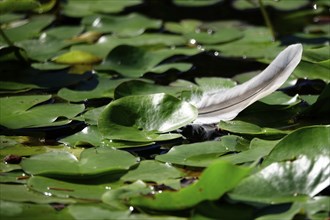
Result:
pixel 64 32
pixel 152 171
pixel 216 180
pixel 28 29
pixel 202 154
pixel 21 112
pixel 196 3
pixel 92 161
pixel 146 117
pixel 221 36
pixel 308 141
pixel 20 193
pixel 77 8
pixel 124 26
pixel 77 57
pixel 283 182
pixel 135 62
pixel 22 5
pixel 97 87
pixel 14 210
pixel 184 26
pixel 62 189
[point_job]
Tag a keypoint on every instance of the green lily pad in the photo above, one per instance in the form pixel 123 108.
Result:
pixel 209 84
pixel 77 8
pixel 139 87
pixel 242 127
pixel 58 188
pixel 216 180
pixel 221 36
pixel 124 26
pixel 21 112
pixel 196 3
pixel 258 149
pixel 23 5
pixel 92 161
pixel 203 154
pixel 108 42
pixel 97 87
pixel 184 26
pixel 15 210
pixel 91 136
pixel 76 57
pixel 147 117
pixel 152 171
pixel 49 66
pixel 13 177
pixel 280 98
pixel 283 182
pixel 135 62
pixel 29 29
pixel 316 55
pixel 64 32
pixel 312 71
pixel 315 208
pixel 309 141
pixel 20 193
pixel 290 5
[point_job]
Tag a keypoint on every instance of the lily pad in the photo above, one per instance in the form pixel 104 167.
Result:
pixel 15 210
pixel 223 35
pixel 242 127
pixel 76 57
pixel 22 112
pixel 135 62
pixel 97 87
pixel 203 154
pixel 216 180
pixel 152 171
pixel 93 161
pixel 77 8
pixel 146 117
pixel 20 193
pixel 196 3
pixel 308 141
pixel 124 26
pixel 28 29
pixel 58 188
pixel 283 182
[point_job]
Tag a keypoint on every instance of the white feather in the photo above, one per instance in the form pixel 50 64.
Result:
pixel 226 104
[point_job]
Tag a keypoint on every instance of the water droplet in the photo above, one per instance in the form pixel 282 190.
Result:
pixel 315 6
pixel 168 164
pixel 209 31
pixel 131 208
pixel 192 41
pixel 244 57
pixel 97 22
pixel 227 148
pixel 173 47
pixel 107 187
pixel 200 47
pixel 47 194
pixel 216 53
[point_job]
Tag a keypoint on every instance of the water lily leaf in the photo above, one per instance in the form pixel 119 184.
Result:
pixel 62 189
pixel 277 183
pixel 43 49
pixel 77 57
pixel 124 26
pixel 196 3
pixel 97 87
pixel 13 177
pixel 318 205
pixel 242 127
pixel 159 113
pixel 309 141
pixel 77 8
pixel 184 26
pixel 258 149
pixel 221 36
pixel 64 32
pixel 49 66
pixel 20 193
pixel 152 171
pixel 135 62
pixel 208 84
pixel 139 87
pixel 182 67
pixel 10 17
pixel 308 70
pixel 28 29
pixel 216 180
pixel 290 5
pixel 21 112
pixel 15 210
pixel 316 55
pixel 92 161
pixel 91 116
pixel 22 5
pixel 108 42
pixel 280 98
pixel 203 154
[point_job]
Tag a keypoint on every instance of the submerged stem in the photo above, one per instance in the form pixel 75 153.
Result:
pixel 267 19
